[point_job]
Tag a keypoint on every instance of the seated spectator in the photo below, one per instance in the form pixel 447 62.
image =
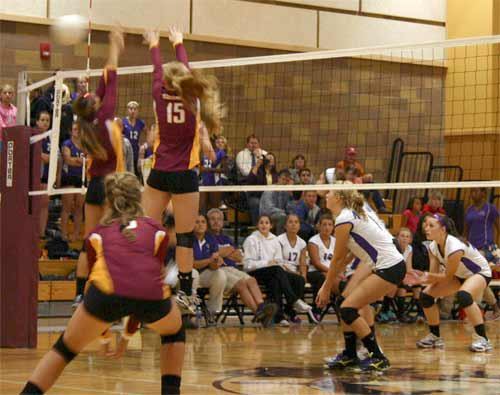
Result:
pixel 237 280
pixel 8 112
pixel 38 103
pixel 262 258
pixel 81 88
pixel 351 174
pixel 263 173
pixel 133 130
pixel 412 214
pixel 208 262
pixel 298 163
pixel 308 212
pixel 305 177
pixel 294 252
pixel 247 158
pixel 274 203
pixel 320 248
pixel 72 204
pixel 366 178
pixel 435 204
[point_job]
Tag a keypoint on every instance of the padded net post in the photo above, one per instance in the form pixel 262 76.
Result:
pixel 19 224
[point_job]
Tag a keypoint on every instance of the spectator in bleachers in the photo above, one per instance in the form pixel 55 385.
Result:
pixel 248 157
pixel 305 177
pixel 435 204
pixel 238 281
pixel 72 204
pixel 298 163
pixel 82 87
pixel 263 173
pixel 274 203
pixel 66 123
pixel 133 130
pixel 412 214
pixel 213 173
pixel 39 103
pixel 320 248
pixel 351 174
pixel 208 262
pixel 360 176
pixel 8 112
pixel 262 259
pixel 308 212
pixel 42 124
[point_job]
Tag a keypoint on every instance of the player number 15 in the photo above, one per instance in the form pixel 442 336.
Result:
pixel 175 113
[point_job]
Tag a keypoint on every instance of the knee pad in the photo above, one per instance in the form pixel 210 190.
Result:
pixel 185 240
pixel 179 337
pixel 426 300
pixel 464 299
pixel 63 350
pixel 349 314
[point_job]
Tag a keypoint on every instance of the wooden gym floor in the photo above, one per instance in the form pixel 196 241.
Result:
pixel 281 361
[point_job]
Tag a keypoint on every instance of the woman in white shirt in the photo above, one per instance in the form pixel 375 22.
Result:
pixel 360 234
pixel 262 259
pixel 320 248
pixel 455 267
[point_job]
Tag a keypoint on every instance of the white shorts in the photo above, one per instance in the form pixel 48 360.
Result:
pixel 233 276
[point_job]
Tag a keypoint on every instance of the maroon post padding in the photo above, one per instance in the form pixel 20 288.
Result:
pixel 19 231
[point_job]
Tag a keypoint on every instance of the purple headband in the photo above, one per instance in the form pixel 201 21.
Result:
pixel 440 219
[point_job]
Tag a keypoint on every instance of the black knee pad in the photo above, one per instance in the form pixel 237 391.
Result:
pixel 63 350
pixel 464 299
pixel 185 239
pixel 349 314
pixel 179 337
pixel 426 300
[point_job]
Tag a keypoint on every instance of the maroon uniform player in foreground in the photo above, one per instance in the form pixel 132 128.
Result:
pixel 183 99
pixel 126 252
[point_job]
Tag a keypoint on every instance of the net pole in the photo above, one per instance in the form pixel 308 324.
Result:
pixel 89 39
pixel 22 99
pixel 54 137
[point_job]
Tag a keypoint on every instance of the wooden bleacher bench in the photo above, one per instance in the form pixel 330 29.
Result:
pixel 56 290
pixel 495 283
pixel 392 221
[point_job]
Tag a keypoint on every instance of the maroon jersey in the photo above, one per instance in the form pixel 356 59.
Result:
pixel 131 269
pixel 177 143
pixel 108 136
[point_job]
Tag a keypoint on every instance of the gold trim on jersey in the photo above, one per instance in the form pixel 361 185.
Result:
pixel 194 157
pixel 100 275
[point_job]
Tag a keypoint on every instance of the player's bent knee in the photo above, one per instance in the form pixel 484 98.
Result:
pixel 62 349
pixel 185 239
pixel 349 314
pixel 427 300
pixel 464 299
pixel 179 337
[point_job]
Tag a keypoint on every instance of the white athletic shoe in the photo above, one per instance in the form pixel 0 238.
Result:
pixel 430 341
pixel 284 323
pixel 187 303
pixel 301 307
pixel 480 344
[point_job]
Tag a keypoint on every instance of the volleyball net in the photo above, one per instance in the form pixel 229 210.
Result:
pixel 415 114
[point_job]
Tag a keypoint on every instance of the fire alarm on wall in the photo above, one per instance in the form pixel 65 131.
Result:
pixel 45 51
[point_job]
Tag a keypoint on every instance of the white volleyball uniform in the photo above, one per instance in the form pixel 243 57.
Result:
pixel 472 261
pixel 369 240
pixel 291 254
pixel 325 253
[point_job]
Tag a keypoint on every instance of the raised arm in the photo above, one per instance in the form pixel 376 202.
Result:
pixel 152 38
pixel 176 38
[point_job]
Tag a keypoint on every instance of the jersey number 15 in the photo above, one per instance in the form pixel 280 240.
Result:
pixel 175 113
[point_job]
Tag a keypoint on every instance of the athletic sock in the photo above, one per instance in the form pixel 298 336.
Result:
pixel 350 344
pixel 170 384
pixel 370 342
pixel 31 389
pixel 435 330
pixel 480 330
pixel 80 285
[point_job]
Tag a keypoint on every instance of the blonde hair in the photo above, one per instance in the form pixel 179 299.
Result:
pixel 123 192
pixel 192 85
pixel 352 199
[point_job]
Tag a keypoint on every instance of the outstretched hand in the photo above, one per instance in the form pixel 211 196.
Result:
pixel 151 37
pixel 175 35
pixel 121 347
pixel 116 38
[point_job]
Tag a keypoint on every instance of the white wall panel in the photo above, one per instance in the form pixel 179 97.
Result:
pixel 36 8
pixel 434 10
pixel 129 13
pixel 352 5
pixel 350 31
pixel 254 22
